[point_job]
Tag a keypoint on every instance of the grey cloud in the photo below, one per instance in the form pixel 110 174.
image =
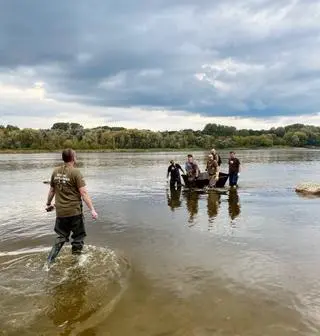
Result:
pixel 76 47
pixel 35 32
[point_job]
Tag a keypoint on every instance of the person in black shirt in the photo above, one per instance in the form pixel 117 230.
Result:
pixel 173 170
pixel 234 169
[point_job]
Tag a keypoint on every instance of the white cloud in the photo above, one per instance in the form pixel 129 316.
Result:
pixel 40 112
pixel 14 94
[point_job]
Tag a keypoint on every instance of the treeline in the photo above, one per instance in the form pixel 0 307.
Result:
pixel 62 135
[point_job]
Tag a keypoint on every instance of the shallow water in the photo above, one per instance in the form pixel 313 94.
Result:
pixel 161 262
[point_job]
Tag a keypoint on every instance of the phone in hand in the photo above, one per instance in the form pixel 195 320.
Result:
pixel 49 208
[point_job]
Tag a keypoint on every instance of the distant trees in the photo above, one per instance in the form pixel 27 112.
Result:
pixel 219 130
pixel 74 135
pixel 66 126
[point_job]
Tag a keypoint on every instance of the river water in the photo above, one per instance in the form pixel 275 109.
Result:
pixel 161 262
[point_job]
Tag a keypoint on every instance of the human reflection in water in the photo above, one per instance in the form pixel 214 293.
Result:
pixel 192 199
pixel 174 198
pixel 213 205
pixel 234 204
pixel 68 302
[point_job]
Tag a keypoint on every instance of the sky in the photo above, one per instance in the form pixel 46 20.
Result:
pixel 160 64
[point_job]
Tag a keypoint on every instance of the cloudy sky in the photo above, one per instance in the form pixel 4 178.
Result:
pixel 160 64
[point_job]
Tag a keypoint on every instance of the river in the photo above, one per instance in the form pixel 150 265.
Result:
pixel 160 262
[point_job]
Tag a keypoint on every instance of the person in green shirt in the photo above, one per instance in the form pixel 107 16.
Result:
pixel 68 187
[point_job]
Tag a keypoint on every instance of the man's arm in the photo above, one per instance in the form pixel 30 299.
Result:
pixel 50 196
pixel 168 172
pixel 197 169
pixel 180 168
pixel 51 193
pixel 86 198
pixel 217 170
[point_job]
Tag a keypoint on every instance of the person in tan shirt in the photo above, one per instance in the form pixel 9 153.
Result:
pixel 213 170
pixel 68 187
pixel 216 156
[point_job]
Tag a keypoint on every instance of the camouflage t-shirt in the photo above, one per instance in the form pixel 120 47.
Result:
pixel 212 167
pixel 66 182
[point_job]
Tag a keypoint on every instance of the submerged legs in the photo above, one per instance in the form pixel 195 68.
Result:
pixel 57 246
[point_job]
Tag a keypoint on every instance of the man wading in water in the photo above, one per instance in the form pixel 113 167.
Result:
pixel 192 169
pixel 174 171
pixel 213 170
pixel 234 170
pixel 216 156
pixel 68 187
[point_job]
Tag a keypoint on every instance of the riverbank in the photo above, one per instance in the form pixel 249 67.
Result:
pixel 147 150
pixel 35 151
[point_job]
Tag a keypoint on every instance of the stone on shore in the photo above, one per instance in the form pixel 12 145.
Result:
pixel 309 188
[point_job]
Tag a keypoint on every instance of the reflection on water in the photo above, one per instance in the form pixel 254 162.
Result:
pixel 234 204
pixel 192 201
pixel 67 299
pixel 173 197
pixel 213 203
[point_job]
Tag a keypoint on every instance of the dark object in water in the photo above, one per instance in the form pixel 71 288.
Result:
pixel 203 181
pixel 54 251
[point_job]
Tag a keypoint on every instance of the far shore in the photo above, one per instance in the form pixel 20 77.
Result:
pixel 149 150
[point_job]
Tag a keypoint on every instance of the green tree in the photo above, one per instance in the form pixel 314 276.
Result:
pixel 61 126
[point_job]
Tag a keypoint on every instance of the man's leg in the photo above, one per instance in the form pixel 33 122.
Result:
pixel 235 179
pixel 231 179
pixel 172 183
pixel 212 181
pixel 178 180
pixel 78 234
pixel 63 231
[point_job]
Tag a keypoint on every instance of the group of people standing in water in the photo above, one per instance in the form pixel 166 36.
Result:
pixel 192 170
pixel 68 188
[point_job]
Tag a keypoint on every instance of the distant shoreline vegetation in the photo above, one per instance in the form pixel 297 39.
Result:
pixel 105 138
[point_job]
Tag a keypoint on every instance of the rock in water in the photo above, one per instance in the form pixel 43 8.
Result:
pixel 309 188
